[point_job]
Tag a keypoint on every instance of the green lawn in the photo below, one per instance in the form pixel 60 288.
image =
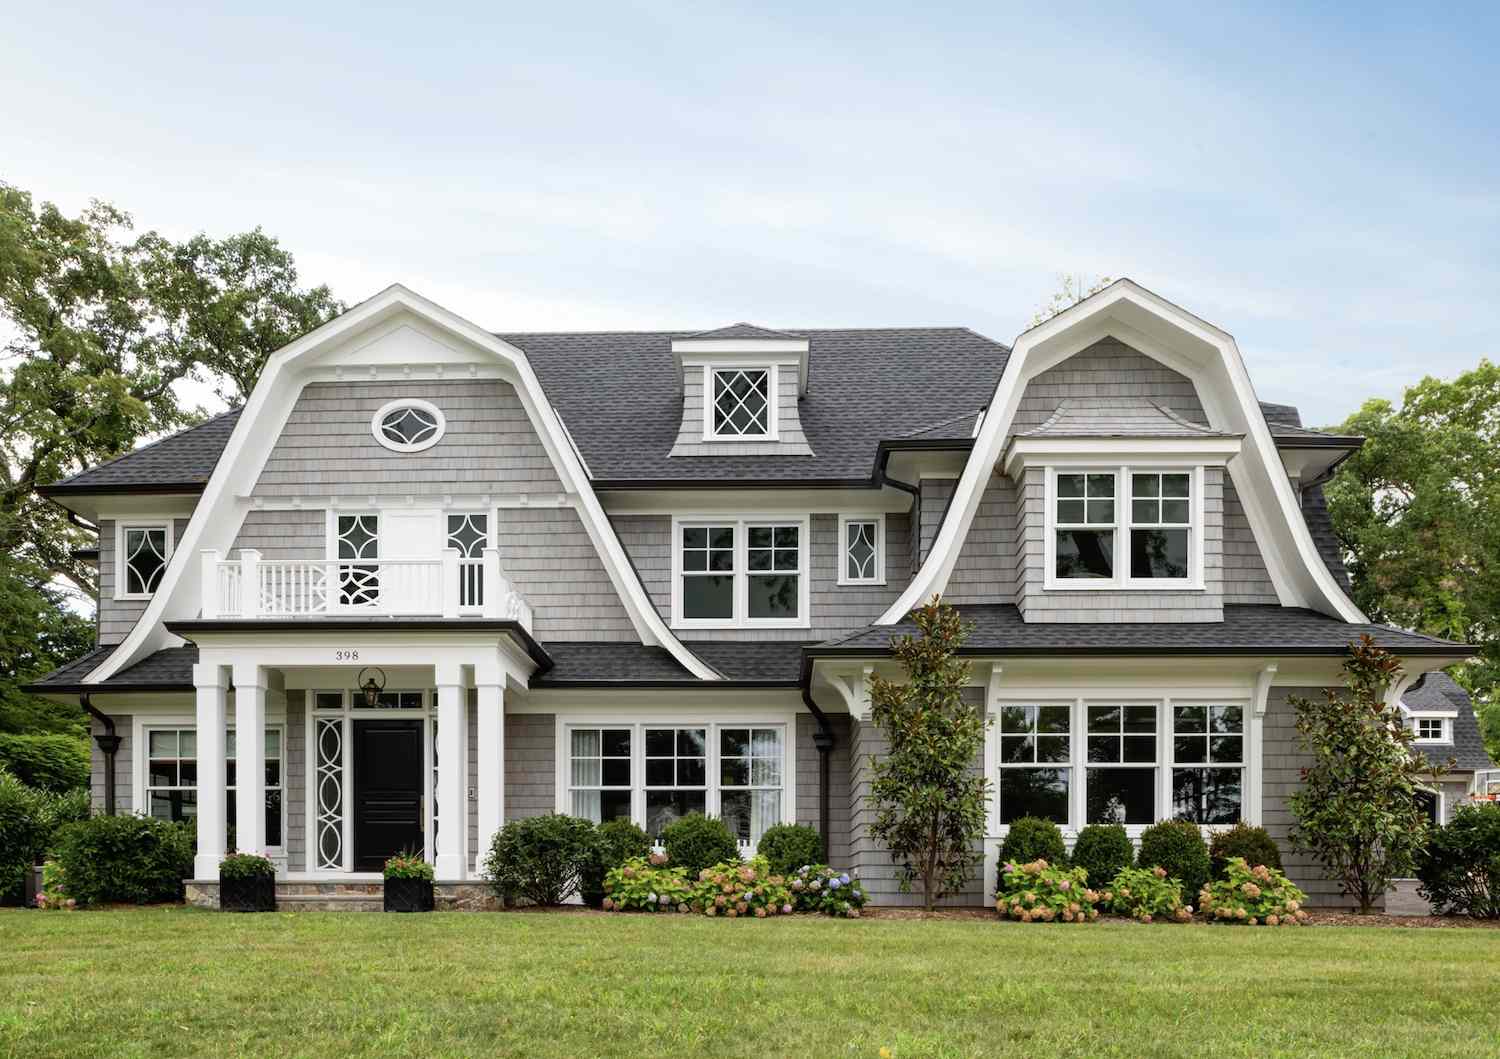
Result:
pixel 163 982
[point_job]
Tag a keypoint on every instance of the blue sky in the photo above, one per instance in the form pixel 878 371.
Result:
pixel 1325 186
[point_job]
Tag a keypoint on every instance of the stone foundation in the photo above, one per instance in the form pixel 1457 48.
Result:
pixel 351 896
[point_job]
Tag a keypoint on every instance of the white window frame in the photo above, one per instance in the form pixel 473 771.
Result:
pixel 1445 728
pixel 121 558
pixel 773 423
pixel 739 618
pixel 1159 773
pixel 408 402
pixel 1070 766
pixel 1169 714
pixel 843 550
pixel 1122 527
pixel 601 786
pixel 143 787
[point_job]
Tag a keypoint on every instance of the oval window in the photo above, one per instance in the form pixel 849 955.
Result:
pixel 408 425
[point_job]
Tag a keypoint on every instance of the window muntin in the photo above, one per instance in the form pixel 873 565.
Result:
pixel 740 402
pixel 1035 762
pixel 408 425
pixel 750 780
pixel 862 548
pixel 676 775
pixel 469 534
pixel 1431 729
pixel 599 767
pixel 1084 533
pixel 773 559
pixel 1121 750
pixel 708 572
pixel 1160 522
pixel 740 573
pixel 144 554
pixel 172 778
pixel 1210 739
pixel 358 537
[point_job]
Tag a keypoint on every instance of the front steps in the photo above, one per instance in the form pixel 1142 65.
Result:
pixel 294 895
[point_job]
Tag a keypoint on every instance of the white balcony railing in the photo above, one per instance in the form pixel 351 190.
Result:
pixel 450 587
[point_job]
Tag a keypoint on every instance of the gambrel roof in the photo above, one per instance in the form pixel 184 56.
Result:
pixel 1438 691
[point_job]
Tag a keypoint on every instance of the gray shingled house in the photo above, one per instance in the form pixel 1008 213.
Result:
pixel 452 578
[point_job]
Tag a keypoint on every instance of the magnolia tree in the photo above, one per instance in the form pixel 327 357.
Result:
pixel 929 798
pixel 1360 811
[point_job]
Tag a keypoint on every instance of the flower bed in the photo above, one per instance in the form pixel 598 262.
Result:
pixel 1147 894
pixel 745 889
pixel 1258 896
pixel 819 888
pixel 1041 893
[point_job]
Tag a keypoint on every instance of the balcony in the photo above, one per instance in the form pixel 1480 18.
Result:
pixel 446 587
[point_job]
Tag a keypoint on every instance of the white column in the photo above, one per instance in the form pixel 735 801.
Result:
pixel 212 698
pixel 453 761
pixel 250 758
pixel 491 773
pixel 450 594
pixel 208 567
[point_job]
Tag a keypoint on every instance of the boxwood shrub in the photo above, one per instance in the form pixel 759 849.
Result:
pixel 128 859
pixel 29 818
pixel 695 842
pixel 788 847
pixel 1460 868
pixel 615 842
pixel 1252 843
pixel 1030 839
pixel 54 763
pixel 1176 845
pixel 1104 850
pixel 540 859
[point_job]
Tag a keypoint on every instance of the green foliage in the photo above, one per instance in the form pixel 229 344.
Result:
pixel 742 888
pixel 1460 868
pixel 1101 849
pixel 695 842
pixel 1358 810
pixel 29 819
pixel 1418 516
pixel 1038 892
pixel 54 895
pixel 408 866
pixel 646 884
pixel 39 631
pixel 1252 843
pixel 790 846
pixel 128 859
pixel 615 842
pixel 1177 846
pixel 246 866
pixel 1033 838
pixel 50 762
pixel 819 888
pixel 929 799
pixel 1147 894
pixel 1258 896
pixel 540 859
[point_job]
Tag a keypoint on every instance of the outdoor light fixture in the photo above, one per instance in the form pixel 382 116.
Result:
pixel 372 687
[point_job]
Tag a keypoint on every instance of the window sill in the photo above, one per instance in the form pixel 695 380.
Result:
pixel 1083 585
pixel 841 583
pixel 691 624
pixel 728 439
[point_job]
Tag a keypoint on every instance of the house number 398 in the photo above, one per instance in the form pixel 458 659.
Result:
pixel 346 656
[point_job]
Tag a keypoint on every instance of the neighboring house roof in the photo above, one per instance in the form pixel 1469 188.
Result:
pixel 1438 691
pixel 1123 416
pixel 178 462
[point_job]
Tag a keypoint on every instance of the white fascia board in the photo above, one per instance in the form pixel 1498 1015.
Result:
pixel 1210 452
pixel 798 502
pixel 1209 357
pixel 219 513
pixel 699 351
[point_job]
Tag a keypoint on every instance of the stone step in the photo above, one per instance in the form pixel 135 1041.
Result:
pixel 324 888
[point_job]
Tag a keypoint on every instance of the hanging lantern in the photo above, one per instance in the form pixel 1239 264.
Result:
pixel 372 687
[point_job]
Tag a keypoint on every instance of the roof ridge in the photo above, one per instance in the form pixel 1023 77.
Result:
pixel 150 445
pixel 941 423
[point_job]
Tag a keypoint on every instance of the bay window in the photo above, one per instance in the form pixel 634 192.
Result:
pixel 740 573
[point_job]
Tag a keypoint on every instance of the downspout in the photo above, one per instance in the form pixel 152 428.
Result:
pixel 823 740
pixel 109 743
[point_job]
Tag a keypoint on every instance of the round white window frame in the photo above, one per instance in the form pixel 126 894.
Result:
pixel 408 402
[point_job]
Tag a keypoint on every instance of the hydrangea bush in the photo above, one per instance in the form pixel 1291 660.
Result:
pixel 819 888
pixel 1254 896
pixel 1147 894
pixel 742 888
pixel 646 884
pixel 1039 892
pixel 54 894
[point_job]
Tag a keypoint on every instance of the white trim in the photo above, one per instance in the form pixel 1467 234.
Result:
pixel 773 417
pixel 1445 728
pixel 378 419
pixel 122 559
pixel 739 618
pixel 1121 527
pixel 843 549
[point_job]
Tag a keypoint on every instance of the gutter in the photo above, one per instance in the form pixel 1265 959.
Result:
pixel 823 740
pixel 109 743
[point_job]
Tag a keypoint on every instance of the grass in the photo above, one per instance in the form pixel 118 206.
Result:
pixel 163 982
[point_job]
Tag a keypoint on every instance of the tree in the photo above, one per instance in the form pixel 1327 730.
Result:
pixel 1073 287
pixel 1417 513
pixel 1358 810
pixel 41 632
pixel 929 798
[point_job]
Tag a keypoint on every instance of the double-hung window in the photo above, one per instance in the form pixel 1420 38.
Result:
pixel 1121 748
pixel 1085 526
pixel 1208 763
pixel 172 777
pixel 599 773
pixel 1160 521
pixel 1035 762
pixel 741 573
pixel 750 780
pixel 1125 528
pixel 676 775
pixel 143 551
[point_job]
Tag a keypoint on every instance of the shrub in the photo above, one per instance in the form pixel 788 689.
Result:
pixel 408 866
pixel 1256 896
pixel 1244 840
pixel 646 884
pixel 1102 850
pixel 788 847
pixel 1040 892
pixel 1031 839
pixel 29 818
pixel 246 866
pixel 540 859
pixel 131 859
pixel 1147 894
pixel 615 842
pixel 1460 868
pixel 48 762
pixel 695 842
pixel 742 888
pixel 1176 845
pixel 819 888
pixel 54 895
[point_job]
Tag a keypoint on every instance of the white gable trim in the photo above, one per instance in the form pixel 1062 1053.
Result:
pixel 456 348
pixel 1210 358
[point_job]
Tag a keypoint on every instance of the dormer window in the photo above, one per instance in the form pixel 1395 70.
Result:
pixel 1125 527
pixel 740 404
pixel 1431 730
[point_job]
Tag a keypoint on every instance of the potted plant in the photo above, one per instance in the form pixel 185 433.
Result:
pixel 247 883
pixel 408 884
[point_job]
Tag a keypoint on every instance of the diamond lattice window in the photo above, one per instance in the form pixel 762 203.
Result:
pixel 742 403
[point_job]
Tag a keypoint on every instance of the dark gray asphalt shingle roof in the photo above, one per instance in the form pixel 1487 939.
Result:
pixel 171 667
pixel 1439 691
pixel 743 330
pixel 186 458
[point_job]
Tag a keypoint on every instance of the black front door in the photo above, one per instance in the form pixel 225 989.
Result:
pixel 387 791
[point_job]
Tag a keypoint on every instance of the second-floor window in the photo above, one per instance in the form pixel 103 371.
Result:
pixel 862 559
pixel 1130 527
pixel 741 573
pixel 144 551
pixel 740 403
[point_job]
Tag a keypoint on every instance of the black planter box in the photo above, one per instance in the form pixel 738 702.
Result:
pixel 247 895
pixel 408 895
